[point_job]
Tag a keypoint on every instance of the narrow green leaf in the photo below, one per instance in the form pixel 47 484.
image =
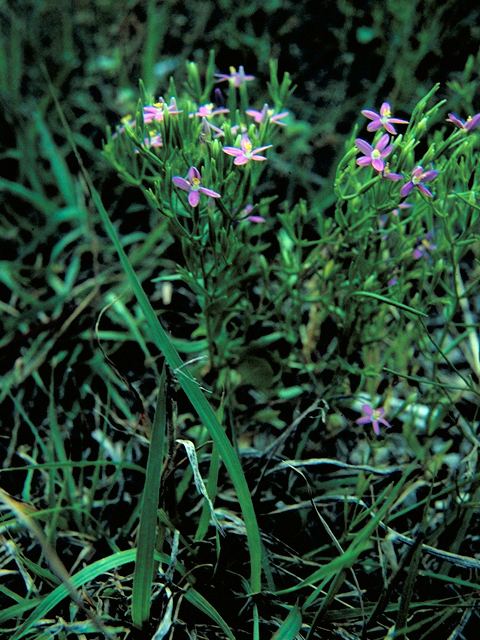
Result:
pixel 143 573
pixel 394 303
pixel 78 580
pixel 291 626
pixel 203 605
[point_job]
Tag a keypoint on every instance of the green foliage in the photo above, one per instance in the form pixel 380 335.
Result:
pixel 239 490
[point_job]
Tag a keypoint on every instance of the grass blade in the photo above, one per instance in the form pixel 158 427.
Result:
pixel 291 626
pixel 143 573
pixel 394 303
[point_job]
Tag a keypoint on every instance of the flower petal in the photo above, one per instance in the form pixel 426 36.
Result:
pixel 387 151
pixel 262 148
pixel 193 174
pixel 181 182
pixel 424 189
pixel 406 189
pixel 393 176
pixel 364 160
pixel 378 164
pixel 370 114
pixel 193 198
pixel 390 128
pixel 454 119
pixel 232 151
pixel 209 192
pixel 473 122
pixel 373 126
pixel 382 143
pixel 385 108
pixel 363 146
pixel 429 175
pixel 367 410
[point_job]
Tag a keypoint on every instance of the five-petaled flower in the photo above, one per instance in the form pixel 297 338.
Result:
pixel 471 123
pixel 246 153
pixel 417 177
pixel 424 246
pixel 261 116
pixel 236 78
pixel 151 112
pixel 374 155
pixel 245 215
pixel 402 205
pixel 155 111
pixel 382 119
pixel 208 110
pixel 375 416
pixel 193 185
pixel 155 140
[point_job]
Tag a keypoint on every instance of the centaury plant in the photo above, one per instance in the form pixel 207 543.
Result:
pixel 304 461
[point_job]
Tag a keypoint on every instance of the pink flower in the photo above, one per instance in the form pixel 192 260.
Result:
pixel 236 78
pixel 151 112
pixel 374 156
pixel 155 140
pixel 375 416
pixel 392 176
pixel 417 177
pixel 192 185
pixel 471 123
pixel 423 247
pixel 246 153
pixel 245 215
pixel 208 110
pixel 403 205
pixel 261 116
pixel 155 111
pixel 382 119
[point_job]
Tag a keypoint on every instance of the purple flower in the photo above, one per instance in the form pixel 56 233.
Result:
pixel 423 247
pixel 382 119
pixel 192 185
pixel 374 156
pixel 155 140
pixel 418 176
pixel 245 215
pixel 471 123
pixel 403 205
pixel 246 153
pixel 236 78
pixel 208 110
pixel 151 112
pixel 392 176
pixel 375 416
pixel 261 116
pixel 155 112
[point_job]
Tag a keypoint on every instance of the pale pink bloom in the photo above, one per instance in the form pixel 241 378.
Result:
pixel 246 153
pixel 193 185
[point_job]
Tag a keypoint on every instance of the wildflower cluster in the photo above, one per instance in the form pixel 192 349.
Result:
pixel 198 158
pixel 414 236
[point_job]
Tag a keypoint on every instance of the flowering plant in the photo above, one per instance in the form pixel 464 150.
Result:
pixel 221 257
